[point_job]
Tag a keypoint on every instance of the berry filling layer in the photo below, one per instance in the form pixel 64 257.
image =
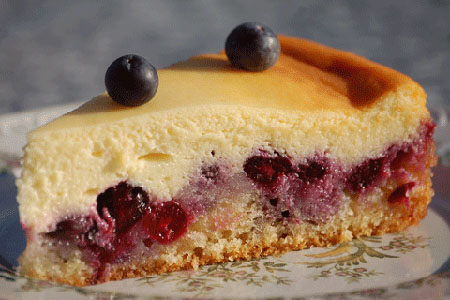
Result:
pixel 129 221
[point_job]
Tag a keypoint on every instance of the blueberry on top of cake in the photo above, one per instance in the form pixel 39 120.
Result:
pixel 226 164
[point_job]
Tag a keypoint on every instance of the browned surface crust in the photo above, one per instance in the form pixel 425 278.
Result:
pixel 361 80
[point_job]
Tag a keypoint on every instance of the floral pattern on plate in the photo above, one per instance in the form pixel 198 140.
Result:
pixel 351 261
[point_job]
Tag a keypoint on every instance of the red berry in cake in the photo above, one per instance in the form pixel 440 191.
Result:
pixel 265 170
pixel 311 172
pixel 252 46
pixel 366 174
pixel 147 242
pixel 400 194
pixel 126 204
pixel 131 80
pixel 166 222
pixel 72 228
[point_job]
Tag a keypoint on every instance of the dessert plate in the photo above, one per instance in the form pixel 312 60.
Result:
pixel 414 264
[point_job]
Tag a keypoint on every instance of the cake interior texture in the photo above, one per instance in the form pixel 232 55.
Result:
pixel 225 165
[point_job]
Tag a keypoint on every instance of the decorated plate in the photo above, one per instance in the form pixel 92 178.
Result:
pixel 414 264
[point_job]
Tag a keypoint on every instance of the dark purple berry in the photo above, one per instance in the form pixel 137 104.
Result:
pixel 266 170
pixel 131 80
pixel 125 203
pixel 252 46
pixel 366 174
pixel 72 228
pixel 311 172
pixel 166 222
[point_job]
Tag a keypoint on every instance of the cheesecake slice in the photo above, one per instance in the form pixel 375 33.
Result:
pixel 225 164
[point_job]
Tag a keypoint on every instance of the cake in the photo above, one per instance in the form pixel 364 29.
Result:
pixel 225 164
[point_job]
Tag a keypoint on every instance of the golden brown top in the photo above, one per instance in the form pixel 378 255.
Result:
pixel 307 77
pixel 358 79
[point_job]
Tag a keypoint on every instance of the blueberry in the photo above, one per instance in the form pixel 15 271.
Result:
pixel 131 80
pixel 252 46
